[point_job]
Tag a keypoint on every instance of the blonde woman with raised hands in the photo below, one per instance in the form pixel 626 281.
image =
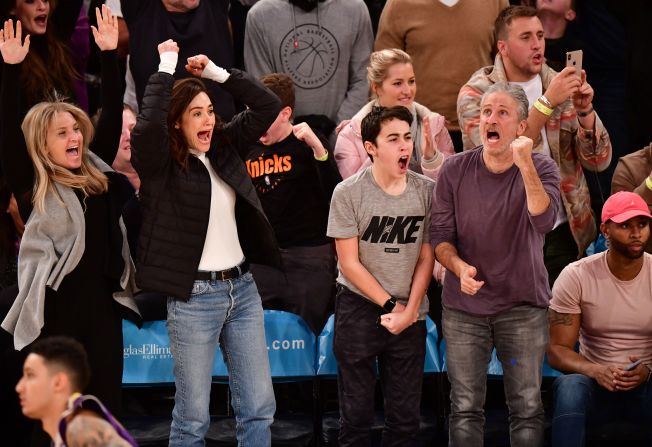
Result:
pixel 75 271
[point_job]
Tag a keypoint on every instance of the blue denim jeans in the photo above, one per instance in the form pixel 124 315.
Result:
pixel 520 336
pixel 579 403
pixel 229 312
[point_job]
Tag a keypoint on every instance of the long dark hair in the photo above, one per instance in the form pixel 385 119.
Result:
pixel 183 92
pixel 41 78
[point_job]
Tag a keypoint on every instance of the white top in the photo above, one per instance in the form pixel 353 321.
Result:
pixel 533 89
pixel 222 247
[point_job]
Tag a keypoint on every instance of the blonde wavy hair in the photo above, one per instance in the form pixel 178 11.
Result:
pixel 379 63
pixel 88 178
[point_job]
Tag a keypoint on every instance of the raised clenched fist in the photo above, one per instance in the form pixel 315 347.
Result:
pixel 522 151
pixel 168 45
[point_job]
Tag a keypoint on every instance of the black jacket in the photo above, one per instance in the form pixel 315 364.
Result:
pixel 176 202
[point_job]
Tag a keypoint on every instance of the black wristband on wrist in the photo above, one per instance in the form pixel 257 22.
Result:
pixel 390 304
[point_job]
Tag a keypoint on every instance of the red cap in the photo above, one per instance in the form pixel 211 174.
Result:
pixel 623 206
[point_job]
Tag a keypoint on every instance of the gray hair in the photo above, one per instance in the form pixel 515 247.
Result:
pixel 516 92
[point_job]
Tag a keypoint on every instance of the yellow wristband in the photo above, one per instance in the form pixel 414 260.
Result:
pixel 322 158
pixel 648 183
pixel 547 111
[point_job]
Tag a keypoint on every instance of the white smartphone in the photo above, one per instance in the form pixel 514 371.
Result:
pixel 632 365
pixel 574 59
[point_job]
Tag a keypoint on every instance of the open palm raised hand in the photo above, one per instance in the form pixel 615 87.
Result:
pixel 12 47
pixel 106 33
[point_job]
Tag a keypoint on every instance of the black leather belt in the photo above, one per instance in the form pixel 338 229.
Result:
pixel 224 275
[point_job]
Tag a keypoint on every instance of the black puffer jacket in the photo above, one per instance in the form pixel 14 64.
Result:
pixel 176 203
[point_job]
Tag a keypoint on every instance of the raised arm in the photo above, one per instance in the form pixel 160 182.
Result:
pixel 16 163
pixel 437 145
pixel 592 143
pixel 263 106
pixel 149 139
pixel 561 87
pixel 537 198
pixel 327 171
pixel 109 126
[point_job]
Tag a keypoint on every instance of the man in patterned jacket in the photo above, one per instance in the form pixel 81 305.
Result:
pixel 561 121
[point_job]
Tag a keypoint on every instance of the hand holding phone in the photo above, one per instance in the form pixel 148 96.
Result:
pixel 574 59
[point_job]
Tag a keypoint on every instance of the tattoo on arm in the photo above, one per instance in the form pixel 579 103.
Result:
pixel 90 431
pixel 556 318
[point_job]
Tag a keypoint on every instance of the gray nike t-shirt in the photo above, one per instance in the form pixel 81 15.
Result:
pixel 390 229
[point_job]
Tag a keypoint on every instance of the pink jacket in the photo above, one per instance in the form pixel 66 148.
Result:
pixel 351 156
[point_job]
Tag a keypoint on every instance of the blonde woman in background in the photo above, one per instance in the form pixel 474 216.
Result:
pixel 392 81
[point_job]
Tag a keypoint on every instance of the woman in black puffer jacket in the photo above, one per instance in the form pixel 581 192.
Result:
pixel 202 223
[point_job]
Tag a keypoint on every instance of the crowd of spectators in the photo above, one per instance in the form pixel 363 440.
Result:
pixel 201 160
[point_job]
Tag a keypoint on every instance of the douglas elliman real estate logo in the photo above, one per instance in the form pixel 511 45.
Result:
pixel 148 351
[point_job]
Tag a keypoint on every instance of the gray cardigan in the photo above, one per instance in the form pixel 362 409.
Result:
pixel 52 245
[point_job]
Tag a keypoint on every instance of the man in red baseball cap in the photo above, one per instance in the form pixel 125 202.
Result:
pixel 605 301
pixel 623 206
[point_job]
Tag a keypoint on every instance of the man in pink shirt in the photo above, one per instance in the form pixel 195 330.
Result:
pixel 605 301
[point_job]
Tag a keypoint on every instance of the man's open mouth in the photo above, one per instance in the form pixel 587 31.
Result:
pixel 493 136
pixel 403 161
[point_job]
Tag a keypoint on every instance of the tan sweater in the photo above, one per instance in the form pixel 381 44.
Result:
pixel 447 45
